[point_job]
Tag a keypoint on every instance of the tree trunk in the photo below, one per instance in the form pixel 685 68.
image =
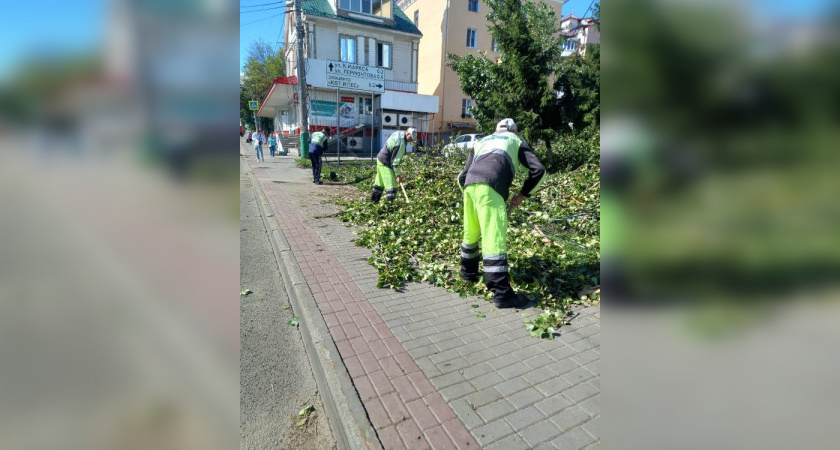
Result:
pixel 548 153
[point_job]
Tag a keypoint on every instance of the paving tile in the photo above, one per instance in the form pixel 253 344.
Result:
pixel 422 414
pixel 390 438
pixel 395 407
pixel 466 413
pixel 525 397
pixel 376 412
pixel 364 387
pixel 381 383
pixel 460 436
pixel 553 404
pixel 580 392
pixel 570 417
pixel 573 439
pixel 411 435
pixel 512 442
pixel 487 381
pixel 577 376
pixel 493 411
pixel 552 386
pixel 391 367
pixel 405 389
pixel 438 439
pixel 491 432
pixel 511 386
pixel 421 383
pixel 540 432
pixel 457 390
pixel 369 362
pixel 524 417
pixel 439 407
pixel 406 362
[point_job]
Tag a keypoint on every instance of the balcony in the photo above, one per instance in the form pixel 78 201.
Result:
pixel 403 86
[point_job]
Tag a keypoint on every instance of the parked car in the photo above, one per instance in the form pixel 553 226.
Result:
pixel 462 143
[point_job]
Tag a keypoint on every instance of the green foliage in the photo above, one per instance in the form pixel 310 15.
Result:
pixel 517 86
pixel 265 63
pixel 571 151
pixel 546 323
pixel 578 78
pixel 551 262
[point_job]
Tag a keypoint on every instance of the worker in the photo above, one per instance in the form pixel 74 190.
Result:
pixel 485 181
pixel 317 144
pixel 387 173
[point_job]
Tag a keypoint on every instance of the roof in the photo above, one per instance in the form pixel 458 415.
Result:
pixel 322 8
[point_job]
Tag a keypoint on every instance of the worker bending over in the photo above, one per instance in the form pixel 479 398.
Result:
pixel 485 181
pixel 387 173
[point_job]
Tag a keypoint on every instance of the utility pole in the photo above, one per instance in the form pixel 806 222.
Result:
pixel 303 108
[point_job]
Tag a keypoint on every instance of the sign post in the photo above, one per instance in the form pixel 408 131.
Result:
pixel 254 105
pixel 354 77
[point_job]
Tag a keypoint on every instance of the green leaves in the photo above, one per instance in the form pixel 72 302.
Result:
pixel 420 241
pixel 294 321
pixel 545 324
pixel 246 291
pixel 304 415
pixel 480 314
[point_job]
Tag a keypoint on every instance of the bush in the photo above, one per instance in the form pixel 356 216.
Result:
pixel 550 261
pixel 571 151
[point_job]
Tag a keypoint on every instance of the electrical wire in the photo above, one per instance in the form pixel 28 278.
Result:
pixel 262 4
pixel 264 18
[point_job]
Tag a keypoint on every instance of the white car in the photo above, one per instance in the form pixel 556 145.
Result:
pixel 462 143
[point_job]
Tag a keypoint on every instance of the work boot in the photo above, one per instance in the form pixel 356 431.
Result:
pixel 517 301
pixel 470 279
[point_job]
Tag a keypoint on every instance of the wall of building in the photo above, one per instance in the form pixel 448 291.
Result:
pixel 436 79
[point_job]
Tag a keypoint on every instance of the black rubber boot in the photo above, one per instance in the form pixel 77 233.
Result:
pixel 516 301
pixel 376 194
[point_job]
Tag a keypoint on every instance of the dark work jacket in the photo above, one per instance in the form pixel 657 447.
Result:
pixel 497 170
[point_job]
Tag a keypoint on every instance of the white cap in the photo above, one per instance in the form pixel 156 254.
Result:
pixel 506 125
pixel 413 132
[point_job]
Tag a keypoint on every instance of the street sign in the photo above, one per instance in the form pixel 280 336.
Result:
pixel 253 105
pixel 354 77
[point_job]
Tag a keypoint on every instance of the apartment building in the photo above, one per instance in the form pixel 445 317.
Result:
pixel 361 63
pixel 451 26
pixel 579 32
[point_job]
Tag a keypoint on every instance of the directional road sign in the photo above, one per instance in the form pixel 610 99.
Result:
pixel 253 105
pixel 354 77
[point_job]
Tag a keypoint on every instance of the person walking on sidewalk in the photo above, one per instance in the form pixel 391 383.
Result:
pixel 485 181
pixel 272 144
pixel 387 173
pixel 317 144
pixel 258 145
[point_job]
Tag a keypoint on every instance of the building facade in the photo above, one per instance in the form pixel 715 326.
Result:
pixel 361 62
pixel 579 33
pixel 458 27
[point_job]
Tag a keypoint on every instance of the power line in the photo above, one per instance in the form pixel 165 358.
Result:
pixel 264 9
pixel 587 9
pixel 260 20
pixel 263 4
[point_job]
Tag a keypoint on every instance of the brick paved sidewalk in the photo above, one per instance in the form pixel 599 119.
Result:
pixel 429 372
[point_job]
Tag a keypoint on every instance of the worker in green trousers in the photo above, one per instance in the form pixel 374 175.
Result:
pixel 485 181
pixel 389 157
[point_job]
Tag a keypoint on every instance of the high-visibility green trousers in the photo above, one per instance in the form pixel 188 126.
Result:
pixel 485 220
pixel 385 181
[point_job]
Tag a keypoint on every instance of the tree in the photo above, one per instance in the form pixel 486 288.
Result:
pixel 264 63
pixel 578 79
pixel 517 85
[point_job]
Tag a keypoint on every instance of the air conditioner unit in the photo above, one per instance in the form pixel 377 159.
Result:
pixel 355 142
pixel 406 120
pixel 389 120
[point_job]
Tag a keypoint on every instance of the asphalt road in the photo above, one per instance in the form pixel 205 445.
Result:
pixel 276 380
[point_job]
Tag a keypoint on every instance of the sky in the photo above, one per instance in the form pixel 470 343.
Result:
pixel 257 21
pixel 44 28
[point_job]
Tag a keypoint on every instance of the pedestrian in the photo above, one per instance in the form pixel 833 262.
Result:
pixel 272 144
pixel 258 145
pixel 317 144
pixel 387 173
pixel 491 166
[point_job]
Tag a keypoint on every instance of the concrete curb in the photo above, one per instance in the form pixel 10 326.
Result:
pixel 347 416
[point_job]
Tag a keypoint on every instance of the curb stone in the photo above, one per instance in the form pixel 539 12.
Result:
pixel 349 422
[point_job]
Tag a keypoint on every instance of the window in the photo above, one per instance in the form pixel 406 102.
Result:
pixel 472 5
pixel 348 49
pixel 362 6
pixel 383 55
pixel 495 45
pixel 471 38
pixel 417 18
pixel 365 105
pixel 466 108
pixel 569 45
pixel 462 139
